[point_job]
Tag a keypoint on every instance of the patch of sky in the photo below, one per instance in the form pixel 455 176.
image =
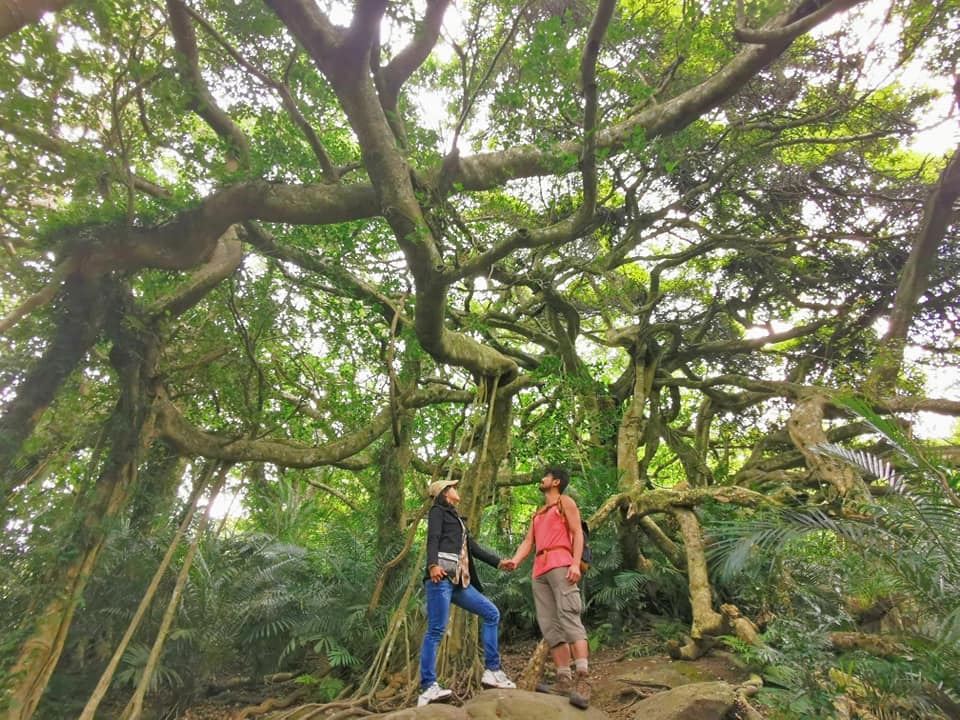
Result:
pixel 873 31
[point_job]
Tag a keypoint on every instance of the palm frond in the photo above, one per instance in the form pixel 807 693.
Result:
pixel 866 462
pixel 735 543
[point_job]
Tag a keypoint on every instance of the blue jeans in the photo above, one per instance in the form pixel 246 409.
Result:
pixel 439 597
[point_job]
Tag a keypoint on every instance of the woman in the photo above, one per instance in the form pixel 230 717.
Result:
pixel 452 578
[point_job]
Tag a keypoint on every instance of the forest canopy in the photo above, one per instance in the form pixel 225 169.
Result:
pixel 314 255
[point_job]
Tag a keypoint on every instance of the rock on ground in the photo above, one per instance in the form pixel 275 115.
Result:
pixel 700 700
pixel 501 705
pixel 703 701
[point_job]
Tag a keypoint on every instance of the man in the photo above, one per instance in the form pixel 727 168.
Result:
pixel 556 535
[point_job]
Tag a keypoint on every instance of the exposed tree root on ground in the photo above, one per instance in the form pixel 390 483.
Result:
pixel 270 704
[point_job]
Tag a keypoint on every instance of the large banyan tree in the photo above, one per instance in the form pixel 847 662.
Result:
pixel 391 240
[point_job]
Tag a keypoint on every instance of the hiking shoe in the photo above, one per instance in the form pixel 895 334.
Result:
pixel 580 696
pixel 432 694
pixel 563 686
pixel 497 679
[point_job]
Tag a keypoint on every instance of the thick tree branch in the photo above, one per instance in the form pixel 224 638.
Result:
pixel 406 62
pixel 365 26
pixel 588 80
pixel 286 97
pixel 488 170
pixel 640 502
pixel 776 34
pixel 189 238
pixel 319 37
pixel 225 259
pixel 15 14
pixel 555 235
pixel 202 99
pixel 396 198
pixel 806 430
pixel 915 277
pixel 400 207
pixel 189 440
pixel 80 322
pixel 941 406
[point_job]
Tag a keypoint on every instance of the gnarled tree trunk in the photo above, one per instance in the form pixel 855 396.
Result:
pixel 82 310
pixel 130 430
pixel 706 620
pixel 806 430
pixel 915 277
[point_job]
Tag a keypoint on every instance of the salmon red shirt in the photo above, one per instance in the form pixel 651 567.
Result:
pixel 552 542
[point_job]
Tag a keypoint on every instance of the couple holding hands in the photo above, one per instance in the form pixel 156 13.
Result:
pixel 556 536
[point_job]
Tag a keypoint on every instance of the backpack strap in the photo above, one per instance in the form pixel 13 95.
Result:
pixel 584 565
pixel 563 514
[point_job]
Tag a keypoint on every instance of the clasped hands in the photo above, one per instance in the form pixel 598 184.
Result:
pixel 573 572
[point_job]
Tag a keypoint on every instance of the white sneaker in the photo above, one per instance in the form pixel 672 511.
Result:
pixel 432 694
pixel 497 679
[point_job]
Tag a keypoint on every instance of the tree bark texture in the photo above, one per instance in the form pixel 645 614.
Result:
pixel 806 430
pixel 395 457
pixel 706 620
pixel 631 429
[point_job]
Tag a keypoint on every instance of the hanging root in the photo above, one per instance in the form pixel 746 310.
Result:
pixel 385 571
pixel 382 684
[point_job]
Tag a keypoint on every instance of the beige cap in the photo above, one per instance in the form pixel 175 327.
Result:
pixel 440 485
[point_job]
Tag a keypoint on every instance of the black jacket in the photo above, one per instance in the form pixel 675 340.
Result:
pixel 445 534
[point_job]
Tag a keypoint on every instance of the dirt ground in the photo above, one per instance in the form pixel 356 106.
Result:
pixel 621 677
